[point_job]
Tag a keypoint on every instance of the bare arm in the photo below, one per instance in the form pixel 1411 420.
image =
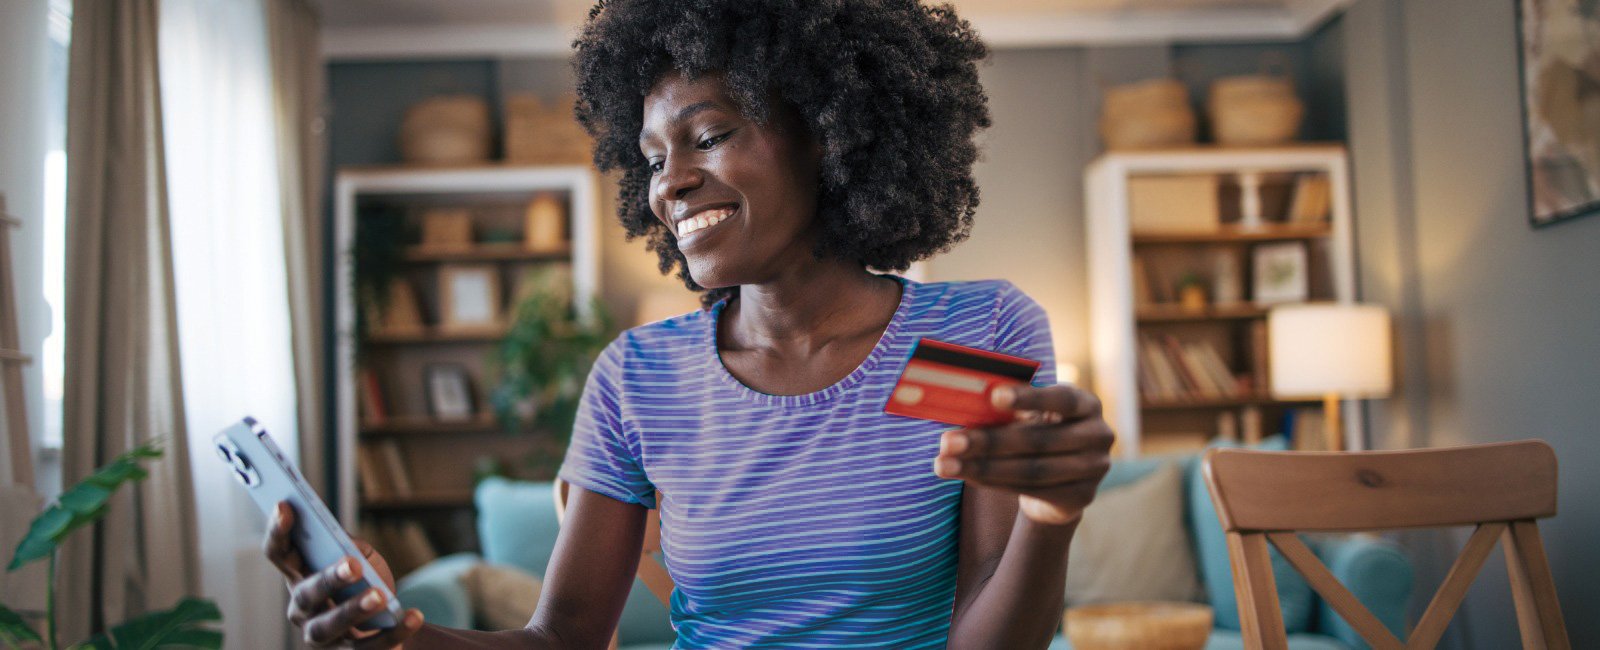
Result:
pixel 586 584
pixel 1026 487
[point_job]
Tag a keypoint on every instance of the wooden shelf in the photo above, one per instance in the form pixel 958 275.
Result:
pixel 1218 402
pixel 433 501
pixel 422 425
pixel 1170 313
pixel 499 252
pixel 433 336
pixel 1234 234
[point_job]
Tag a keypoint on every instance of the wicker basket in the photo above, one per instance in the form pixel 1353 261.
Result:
pixel 1148 114
pixel 1139 626
pixel 1254 110
pixel 541 134
pixel 446 130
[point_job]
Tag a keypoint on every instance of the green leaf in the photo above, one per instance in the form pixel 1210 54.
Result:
pixel 14 630
pixel 182 626
pixel 80 506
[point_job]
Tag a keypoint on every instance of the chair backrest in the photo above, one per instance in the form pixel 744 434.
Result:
pixel 651 571
pixel 1265 497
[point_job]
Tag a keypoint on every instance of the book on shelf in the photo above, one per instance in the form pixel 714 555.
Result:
pixel 1306 429
pixel 1312 197
pixel 370 468
pixel 1260 380
pixel 1142 297
pixel 403 543
pixel 382 470
pixel 373 409
pixel 1172 370
pixel 395 467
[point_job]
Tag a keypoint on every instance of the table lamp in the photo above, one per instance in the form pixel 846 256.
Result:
pixel 1332 350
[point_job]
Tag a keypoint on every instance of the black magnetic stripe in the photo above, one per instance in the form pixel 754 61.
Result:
pixel 1017 371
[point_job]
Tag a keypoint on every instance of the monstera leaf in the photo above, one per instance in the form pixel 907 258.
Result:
pixel 13 630
pixel 183 626
pixel 80 506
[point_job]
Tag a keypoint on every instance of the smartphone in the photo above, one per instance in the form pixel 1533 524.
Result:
pixel 269 477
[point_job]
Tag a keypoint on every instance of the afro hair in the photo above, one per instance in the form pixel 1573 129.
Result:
pixel 888 87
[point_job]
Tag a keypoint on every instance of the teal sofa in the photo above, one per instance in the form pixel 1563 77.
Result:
pixel 517 526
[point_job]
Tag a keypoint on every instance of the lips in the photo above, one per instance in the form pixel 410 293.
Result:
pixel 704 219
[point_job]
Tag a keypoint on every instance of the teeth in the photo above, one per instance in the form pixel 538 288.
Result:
pixel 703 220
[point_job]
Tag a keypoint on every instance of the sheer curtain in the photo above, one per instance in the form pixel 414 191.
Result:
pixel 232 295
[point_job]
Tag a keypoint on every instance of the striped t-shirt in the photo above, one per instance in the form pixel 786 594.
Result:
pixel 794 520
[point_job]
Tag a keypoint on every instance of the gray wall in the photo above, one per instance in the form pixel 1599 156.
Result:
pixel 1499 323
pixel 23 46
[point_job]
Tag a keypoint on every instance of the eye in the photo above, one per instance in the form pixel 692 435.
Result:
pixel 655 167
pixel 712 141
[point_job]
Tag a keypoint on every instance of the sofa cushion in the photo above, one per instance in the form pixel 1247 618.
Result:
pixel 503 597
pixel 1211 549
pixel 1133 545
pixel 1231 640
pixel 517 523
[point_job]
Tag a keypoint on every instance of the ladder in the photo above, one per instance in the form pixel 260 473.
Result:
pixel 12 359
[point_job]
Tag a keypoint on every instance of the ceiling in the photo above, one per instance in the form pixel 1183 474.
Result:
pixel 412 28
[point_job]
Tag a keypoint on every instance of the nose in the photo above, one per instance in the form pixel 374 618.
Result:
pixel 677 179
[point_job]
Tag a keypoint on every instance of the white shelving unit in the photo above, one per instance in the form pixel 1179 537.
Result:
pixel 469 184
pixel 1114 338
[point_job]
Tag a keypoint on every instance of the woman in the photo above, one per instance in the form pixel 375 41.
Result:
pixel 772 152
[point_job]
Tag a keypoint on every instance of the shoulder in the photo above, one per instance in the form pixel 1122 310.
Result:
pixel 664 340
pixel 996 297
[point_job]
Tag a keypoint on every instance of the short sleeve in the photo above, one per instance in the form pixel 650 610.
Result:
pixel 602 456
pixel 1022 329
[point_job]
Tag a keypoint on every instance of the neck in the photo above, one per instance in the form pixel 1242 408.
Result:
pixel 809 305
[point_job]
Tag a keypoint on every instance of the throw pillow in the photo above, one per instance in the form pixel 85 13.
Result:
pixel 503 597
pixel 1295 596
pixel 1131 545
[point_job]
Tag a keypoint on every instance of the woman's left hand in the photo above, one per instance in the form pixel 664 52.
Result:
pixel 1053 456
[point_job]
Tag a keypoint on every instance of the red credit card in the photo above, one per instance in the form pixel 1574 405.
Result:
pixel 951 383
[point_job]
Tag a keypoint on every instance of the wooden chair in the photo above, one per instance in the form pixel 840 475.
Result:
pixel 651 572
pixel 1500 488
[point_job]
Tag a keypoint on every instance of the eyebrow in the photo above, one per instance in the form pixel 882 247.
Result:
pixel 686 113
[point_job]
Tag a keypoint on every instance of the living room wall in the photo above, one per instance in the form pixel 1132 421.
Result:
pixel 1499 329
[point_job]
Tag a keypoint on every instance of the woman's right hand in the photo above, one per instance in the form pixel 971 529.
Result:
pixel 311 607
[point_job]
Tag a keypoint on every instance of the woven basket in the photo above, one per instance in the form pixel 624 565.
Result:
pixel 543 134
pixel 1254 110
pixel 446 130
pixel 1148 114
pixel 1139 626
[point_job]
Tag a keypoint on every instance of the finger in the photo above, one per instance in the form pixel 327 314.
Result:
pixel 1027 439
pixel 335 624
pixel 410 622
pixel 1070 402
pixel 279 546
pixel 310 596
pixel 1027 472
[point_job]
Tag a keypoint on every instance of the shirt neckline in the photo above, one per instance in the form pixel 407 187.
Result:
pixel 885 341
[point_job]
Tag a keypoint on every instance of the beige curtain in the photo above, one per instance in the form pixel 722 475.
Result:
pixel 121 366
pixel 293 43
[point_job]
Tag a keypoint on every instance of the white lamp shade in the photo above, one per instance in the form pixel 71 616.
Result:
pixel 1323 348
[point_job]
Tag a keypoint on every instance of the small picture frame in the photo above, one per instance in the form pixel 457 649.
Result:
pixel 469 298
pixel 449 389
pixel 1280 273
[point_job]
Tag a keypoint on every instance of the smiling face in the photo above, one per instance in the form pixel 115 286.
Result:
pixel 740 196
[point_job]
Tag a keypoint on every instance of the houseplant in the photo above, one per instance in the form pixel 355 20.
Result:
pixel 85 503
pixel 546 355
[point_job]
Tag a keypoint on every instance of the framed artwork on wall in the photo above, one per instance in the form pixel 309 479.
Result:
pixel 1560 69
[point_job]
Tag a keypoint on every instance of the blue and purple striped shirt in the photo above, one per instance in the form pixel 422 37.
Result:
pixel 794 520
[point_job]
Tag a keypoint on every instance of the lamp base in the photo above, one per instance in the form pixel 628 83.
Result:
pixel 1332 426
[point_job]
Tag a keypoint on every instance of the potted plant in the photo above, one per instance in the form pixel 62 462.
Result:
pixel 185 625
pixel 546 355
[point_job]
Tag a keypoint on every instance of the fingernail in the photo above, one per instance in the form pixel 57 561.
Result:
pixel 414 619
pixel 347 570
pixel 372 600
pixel 947 467
pixel 956 443
pixel 1003 397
